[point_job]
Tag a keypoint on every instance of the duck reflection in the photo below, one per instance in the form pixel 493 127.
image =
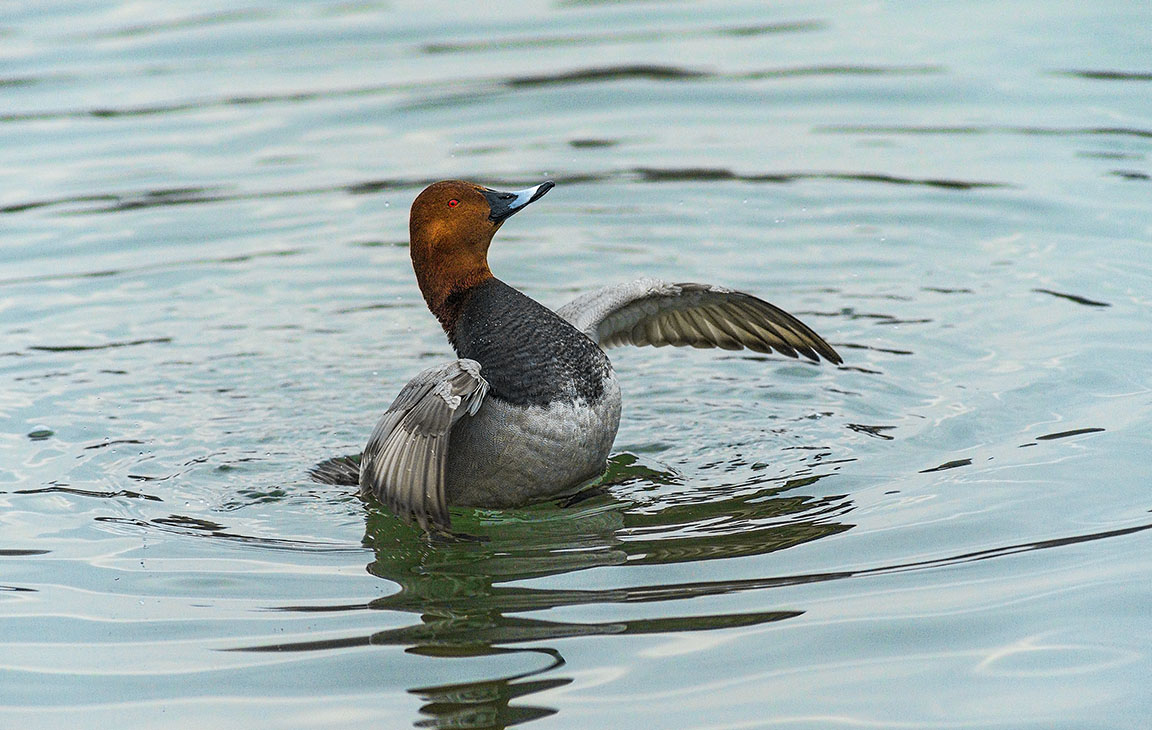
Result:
pixel 469 596
pixel 486 703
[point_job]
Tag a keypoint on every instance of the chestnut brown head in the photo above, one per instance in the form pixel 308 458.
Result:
pixel 450 228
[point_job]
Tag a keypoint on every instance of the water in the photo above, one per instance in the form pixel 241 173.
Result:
pixel 204 289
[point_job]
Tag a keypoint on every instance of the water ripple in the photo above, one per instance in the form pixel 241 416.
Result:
pixel 192 526
pixel 1109 75
pixel 62 489
pixel 103 346
pixel 629 36
pixel 1066 434
pixel 991 129
pixel 162 266
pixel 184 23
pixel 1073 298
pixel 703 174
pixel 657 72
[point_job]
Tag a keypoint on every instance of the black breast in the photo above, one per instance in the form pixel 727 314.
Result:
pixel 528 354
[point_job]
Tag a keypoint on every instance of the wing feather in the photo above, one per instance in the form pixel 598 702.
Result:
pixel 404 462
pixel 654 312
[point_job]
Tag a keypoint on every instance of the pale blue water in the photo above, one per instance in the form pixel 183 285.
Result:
pixel 205 289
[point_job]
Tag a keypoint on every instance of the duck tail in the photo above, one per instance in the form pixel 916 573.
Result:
pixel 342 470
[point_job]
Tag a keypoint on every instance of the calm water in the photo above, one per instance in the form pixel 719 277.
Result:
pixel 205 289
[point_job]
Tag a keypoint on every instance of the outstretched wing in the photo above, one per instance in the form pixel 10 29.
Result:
pixel 404 462
pixel 654 312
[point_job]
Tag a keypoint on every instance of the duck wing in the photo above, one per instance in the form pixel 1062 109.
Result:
pixel 404 462
pixel 654 312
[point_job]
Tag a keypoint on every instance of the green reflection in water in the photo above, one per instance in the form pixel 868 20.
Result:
pixel 469 596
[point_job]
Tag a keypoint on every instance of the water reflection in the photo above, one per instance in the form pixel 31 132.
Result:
pixel 487 703
pixel 468 595
pixel 470 599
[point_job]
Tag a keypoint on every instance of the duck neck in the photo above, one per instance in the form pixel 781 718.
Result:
pixel 445 289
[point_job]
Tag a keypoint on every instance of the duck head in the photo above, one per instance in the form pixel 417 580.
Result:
pixel 450 228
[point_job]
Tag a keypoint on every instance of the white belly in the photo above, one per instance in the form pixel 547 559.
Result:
pixel 510 455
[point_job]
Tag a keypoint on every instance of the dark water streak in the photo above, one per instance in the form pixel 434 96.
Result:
pixel 991 129
pixel 628 36
pixel 1073 298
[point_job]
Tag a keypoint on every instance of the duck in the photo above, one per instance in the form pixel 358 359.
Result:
pixel 530 408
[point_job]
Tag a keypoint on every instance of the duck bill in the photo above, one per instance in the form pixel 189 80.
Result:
pixel 505 205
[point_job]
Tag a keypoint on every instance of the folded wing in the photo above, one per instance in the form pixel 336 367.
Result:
pixel 654 312
pixel 404 462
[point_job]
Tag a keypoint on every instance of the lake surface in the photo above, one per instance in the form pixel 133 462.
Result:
pixel 205 289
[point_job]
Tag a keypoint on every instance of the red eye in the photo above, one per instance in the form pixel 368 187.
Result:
pixel 453 203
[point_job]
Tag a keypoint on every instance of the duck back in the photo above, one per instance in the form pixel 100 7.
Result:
pixel 527 353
